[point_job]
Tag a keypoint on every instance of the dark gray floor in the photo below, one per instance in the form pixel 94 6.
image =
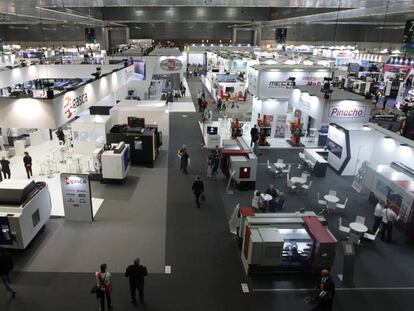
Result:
pixel 206 268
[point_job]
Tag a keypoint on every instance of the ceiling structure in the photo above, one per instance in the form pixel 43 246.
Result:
pixel 196 14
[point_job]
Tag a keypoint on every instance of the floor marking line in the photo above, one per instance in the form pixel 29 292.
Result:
pixel 342 289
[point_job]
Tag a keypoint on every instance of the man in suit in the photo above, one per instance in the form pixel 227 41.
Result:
pixel 198 189
pixel 326 291
pixel 6 265
pixel 136 274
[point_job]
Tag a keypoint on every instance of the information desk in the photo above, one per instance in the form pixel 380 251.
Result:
pixel 316 156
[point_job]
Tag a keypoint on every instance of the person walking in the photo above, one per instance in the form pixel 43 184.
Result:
pixel 254 135
pixel 169 98
pixel 5 167
pixel 60 135
pixel 326 292
pixel 198 189
pixel 199 101
pixel 27 160
pixel 384 102
pixel 136 274
pixel 210 165
pixel 216 159
pixel 104 284
pixel 6 266
pixel 388 219
pixel 184 158
pixel 379 208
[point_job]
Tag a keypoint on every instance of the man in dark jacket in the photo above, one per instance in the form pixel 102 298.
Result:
pixel 326 291
pixel 136 274
pixel 27 160
pixel 6 265
pixel 254 135
pixel 198 189
pixel 5 167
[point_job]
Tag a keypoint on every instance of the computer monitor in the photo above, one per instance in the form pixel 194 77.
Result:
pixel 212 130
pixel 136 122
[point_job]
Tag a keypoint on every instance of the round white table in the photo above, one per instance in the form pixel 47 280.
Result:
pixel 358 227
pixel 279 165
pixel 331 198
pixel 266 197
pixel 297 180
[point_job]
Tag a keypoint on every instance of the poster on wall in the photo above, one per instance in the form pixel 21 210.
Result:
pixel 280 126
pixel 139 69
pixel 76 195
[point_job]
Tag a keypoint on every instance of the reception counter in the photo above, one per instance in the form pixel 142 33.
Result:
pixel 319 163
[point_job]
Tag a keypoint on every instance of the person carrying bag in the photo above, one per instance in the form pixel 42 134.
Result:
pixel 103 287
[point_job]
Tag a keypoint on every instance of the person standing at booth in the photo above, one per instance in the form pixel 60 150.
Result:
pixel 27 160
pixel 326 291
pixel 254 135
pixel 5 167
pixel 388 219
pixel 379 208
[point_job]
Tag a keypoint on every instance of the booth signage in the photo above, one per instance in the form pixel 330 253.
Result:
pixel 281 84
pixel 76 195
pixel 171 64
pixel 71 104
pixel 339 111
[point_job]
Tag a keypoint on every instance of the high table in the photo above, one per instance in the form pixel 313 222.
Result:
pixel 358 227
pixel 298 180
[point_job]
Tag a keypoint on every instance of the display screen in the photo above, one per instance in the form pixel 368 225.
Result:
pixel 139 69
pixel 212 130
pixel 90 35
pixel 5 232
pixel 334 148
pixel 229 90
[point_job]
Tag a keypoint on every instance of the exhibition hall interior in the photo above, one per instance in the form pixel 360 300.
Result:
pixel 206 155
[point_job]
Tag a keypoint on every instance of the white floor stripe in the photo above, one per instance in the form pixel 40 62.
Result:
pixel 341 289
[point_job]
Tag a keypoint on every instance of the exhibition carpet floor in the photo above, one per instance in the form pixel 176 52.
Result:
pixel 206 271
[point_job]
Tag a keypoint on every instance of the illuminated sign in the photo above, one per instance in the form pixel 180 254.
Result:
pixel 74 180
pixel 340 111
pixel 71 104
pixel 171 64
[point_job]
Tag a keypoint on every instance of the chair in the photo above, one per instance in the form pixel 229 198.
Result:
pixel 255 200
pixel 287 170
pixel 290 185
pixel 321 202
pixel 370 236
pixel 332 192
pixel 360 219
pixel 342 206
pixel 270 168
pixel 343 228
pixel 304 176
pixel 307 186
pixel 302 157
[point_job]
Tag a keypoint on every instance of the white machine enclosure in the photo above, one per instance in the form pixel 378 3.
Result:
pixel 115 164
pixel 245 167
pixel 388 184
pixel 28 219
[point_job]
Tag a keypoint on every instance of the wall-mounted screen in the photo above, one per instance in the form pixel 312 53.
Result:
pixel 90 35
pixel 212 130
pixel 5 232
pixel 139 69
pixel 334 148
